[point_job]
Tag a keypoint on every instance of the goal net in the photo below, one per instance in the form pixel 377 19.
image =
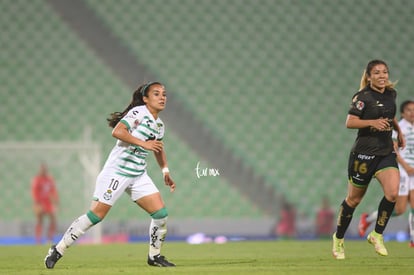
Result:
pixel 73 165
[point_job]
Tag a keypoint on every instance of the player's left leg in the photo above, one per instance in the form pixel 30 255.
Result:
pixel 411 213
pixel 400 206
pixel 154 205
pixel 389 179
pixel 39 227
pixel 52 227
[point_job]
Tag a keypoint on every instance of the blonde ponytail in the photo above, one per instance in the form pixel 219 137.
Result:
pixel 364 80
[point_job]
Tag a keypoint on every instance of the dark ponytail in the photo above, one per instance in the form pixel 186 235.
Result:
pixel 137 100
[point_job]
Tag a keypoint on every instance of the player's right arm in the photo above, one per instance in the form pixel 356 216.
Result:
pixel 355 122
pixel 122 133
pixel 358 107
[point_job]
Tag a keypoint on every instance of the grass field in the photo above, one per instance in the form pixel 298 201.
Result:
pixel 271 257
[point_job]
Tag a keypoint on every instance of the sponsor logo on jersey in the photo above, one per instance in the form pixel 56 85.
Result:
pixel 365 157
pixel 357 177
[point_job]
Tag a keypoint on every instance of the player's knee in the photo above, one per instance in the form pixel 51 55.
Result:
pixel 353 202
pixel 398 212
pixel 160 214
pixel 391 197
pixel 93 217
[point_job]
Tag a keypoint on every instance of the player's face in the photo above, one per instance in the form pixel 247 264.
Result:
pixel 156 98
pixel 379 77
pixel 408 113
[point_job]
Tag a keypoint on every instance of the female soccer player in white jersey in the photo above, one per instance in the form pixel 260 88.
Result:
pixel 138 130
pixel 405 159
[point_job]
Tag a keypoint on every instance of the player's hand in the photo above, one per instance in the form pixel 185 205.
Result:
pixel 153 145
pixel 169 182
pixel 381 124
pixel 401 141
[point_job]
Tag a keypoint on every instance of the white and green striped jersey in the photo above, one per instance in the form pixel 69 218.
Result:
pixel 130 160
pixel 408 130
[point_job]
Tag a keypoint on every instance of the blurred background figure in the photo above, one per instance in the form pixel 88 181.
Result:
pixel 325 218
pixel 286 226
pixel 45 202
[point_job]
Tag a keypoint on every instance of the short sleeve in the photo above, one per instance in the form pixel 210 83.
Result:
pixel 357 106
pixel 132 118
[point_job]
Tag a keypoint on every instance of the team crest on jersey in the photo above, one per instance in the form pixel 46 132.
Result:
pixel 359 105
pixel 108 195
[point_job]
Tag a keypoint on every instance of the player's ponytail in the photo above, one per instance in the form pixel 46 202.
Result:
pixel 137 100
pixel 364 80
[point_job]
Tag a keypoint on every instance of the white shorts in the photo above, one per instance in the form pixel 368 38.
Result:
pixel 406 183
pixel 110 186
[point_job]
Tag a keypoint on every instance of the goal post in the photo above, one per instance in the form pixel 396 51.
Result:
pixel 73 165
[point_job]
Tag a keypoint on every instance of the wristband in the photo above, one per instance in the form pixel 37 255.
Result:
pixel 165 170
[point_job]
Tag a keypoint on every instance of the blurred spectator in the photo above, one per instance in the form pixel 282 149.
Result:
pixel 286 226
pixel 305 226
pixel 325 220
pixel 45 202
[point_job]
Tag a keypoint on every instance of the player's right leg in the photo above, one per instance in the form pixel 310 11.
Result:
pixel 411 213
pixel 411 226
pixel 338 249
pixel 343 221
pixel 108 189
pixel 74 232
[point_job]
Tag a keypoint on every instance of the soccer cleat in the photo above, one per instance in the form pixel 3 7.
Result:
pixel 363 224
pixel 160 261
pixel 377 240
pixel 52 257
pixel 411 244
pixel 338 249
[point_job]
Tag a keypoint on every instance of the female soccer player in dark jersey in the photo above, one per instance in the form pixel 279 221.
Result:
pixel 405 158
pixel 372 112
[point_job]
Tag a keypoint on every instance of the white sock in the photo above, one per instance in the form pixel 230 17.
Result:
pixel 75 230
pixel 372 217
pixel 157 232
pixel 411 224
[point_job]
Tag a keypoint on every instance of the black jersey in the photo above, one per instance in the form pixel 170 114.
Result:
pixel 370 104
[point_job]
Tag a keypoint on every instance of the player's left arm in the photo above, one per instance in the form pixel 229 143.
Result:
pixel 161 158
pixel 400 135
pixel 408 168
